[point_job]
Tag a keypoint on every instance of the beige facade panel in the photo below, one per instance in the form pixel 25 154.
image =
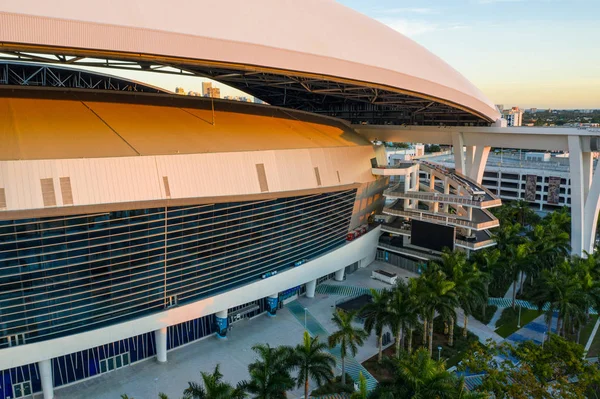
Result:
pixel 66 191
pixel 262 177
pixel 2 198
pixel 102 181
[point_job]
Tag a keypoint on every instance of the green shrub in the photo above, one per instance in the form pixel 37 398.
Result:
pixel 335 386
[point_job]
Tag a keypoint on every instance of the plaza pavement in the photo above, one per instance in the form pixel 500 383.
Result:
pixel 145 379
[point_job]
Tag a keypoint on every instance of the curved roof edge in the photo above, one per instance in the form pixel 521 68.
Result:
pixel 370 52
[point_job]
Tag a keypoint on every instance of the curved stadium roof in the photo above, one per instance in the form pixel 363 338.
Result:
pixel 315 55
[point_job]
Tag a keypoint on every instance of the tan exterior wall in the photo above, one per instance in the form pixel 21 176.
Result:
pixel 135 179
pixel 369 199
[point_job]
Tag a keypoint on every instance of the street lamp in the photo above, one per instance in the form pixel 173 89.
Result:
pixel 519 323
pixel 543 339
pixel 439 353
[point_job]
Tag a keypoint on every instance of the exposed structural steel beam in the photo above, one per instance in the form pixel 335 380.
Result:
pixel 47 75
pixel 356 102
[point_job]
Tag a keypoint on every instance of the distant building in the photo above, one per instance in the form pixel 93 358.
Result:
pixel 500 107
pixel 533 110
pixel 180 90
pixel 213 92
pixel 206 86
pixel 513 116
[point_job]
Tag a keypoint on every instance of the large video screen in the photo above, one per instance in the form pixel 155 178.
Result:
pixel 432 236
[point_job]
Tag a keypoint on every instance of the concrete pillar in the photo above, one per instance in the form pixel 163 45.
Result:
pixel 470 217
pixel 311 286
pixel 222 324
pixel 414 180
pixel 432 182
pixel 160 336
pixel 339 274
pixel 272 304
pixel 478 164
pixel 577 196
pixel 446 191
pixel 457 146
pixel 436 207
pixel 590 213
pixel 469 157
pixel 407 180
pixel 45 367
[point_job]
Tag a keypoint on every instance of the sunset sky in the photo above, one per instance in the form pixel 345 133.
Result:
pixel 540 53
pixel 527 53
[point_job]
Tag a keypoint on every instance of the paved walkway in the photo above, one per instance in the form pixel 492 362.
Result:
pixel 314 328
pixel 145 379
pixel 498 312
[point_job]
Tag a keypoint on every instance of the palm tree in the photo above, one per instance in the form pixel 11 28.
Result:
pixel 490 261
pixel 437 294
pixel 417 376
pixel 561 290
pixel 363 392
pixel 347 336
pixel 377 316
pixel 517 257
pixel 469 285
pixel 402 312
pixel 213 387
pixel 270 374
pixel 313 362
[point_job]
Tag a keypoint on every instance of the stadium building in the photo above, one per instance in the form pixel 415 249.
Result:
pixel 134 221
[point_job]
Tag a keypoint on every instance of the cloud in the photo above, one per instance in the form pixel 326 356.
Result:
pixel 412 28
pixel 410 10
pixel 499 1
pixel 408 27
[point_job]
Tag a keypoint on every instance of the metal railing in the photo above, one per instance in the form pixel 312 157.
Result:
pixel 421 215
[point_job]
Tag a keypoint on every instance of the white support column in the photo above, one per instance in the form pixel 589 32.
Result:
pixel 407 180
pixel 222 323
pixel 339 275
pixel 577 196
pixel 311 286
pixel 588 166
pixel 446 191
pixel 469 157
pixel 432 182
pixel 458 143
pixel 478 165
pixel 45 367
pixel 160 336
pixel 590 212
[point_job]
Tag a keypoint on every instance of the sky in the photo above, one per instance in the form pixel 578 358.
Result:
pixel 527 53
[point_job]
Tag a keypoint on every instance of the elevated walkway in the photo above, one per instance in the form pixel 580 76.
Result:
pixel 482 219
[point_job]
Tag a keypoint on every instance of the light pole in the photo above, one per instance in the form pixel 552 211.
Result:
pixel 519 323
pixel 543 339
pixel 156 387
pixel 305 310
pixel 439 353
